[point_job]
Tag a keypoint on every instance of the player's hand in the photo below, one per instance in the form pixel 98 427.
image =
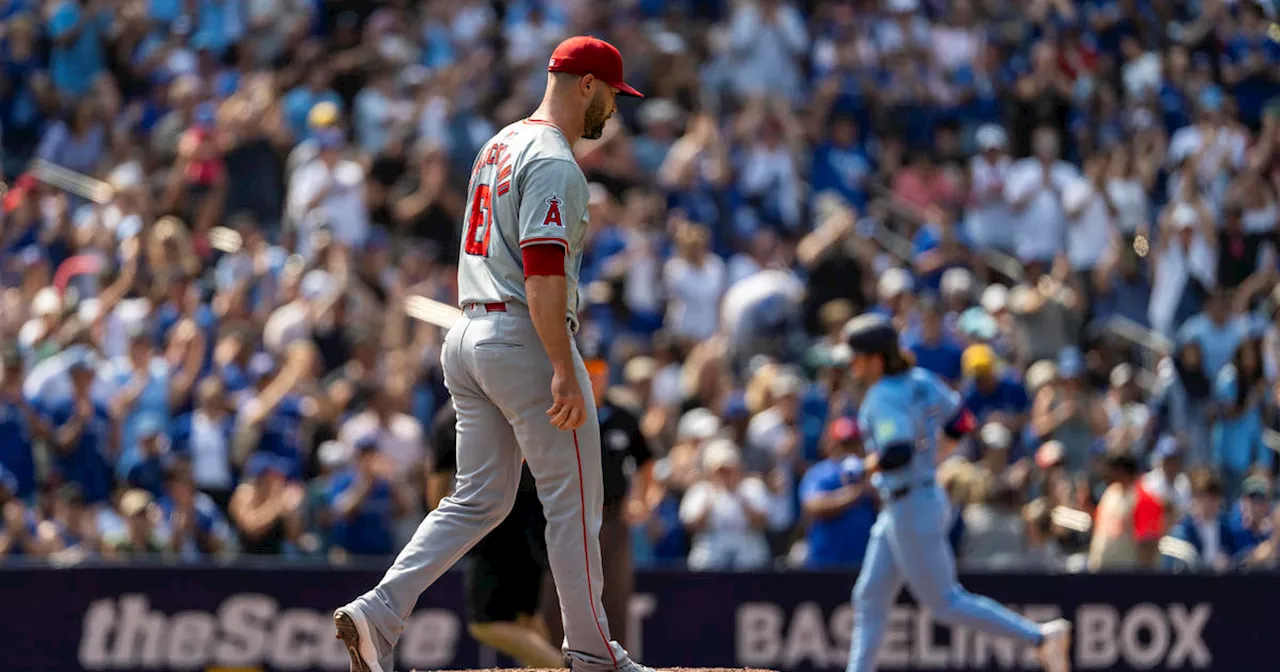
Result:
pixel 569 409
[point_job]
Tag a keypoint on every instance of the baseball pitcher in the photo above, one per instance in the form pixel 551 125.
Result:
pixel 518 383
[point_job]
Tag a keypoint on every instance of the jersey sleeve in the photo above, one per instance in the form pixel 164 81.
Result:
pixel 883 426
pixel 553 199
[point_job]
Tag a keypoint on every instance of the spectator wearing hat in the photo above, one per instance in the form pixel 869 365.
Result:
pixel 1168 480
pixel 153 456
pixel 399 439
pixel 991 394
pixel 266 507
pixel 1249 523
pixel 194 526
pixel 990 223
pixel 365 504
pixel 1067 411
pixel 837 501
pixel 84 435
pixel 1128 521
pixel 726 512
pixel 995 448
pixel 140 534
pixel 1241 390
pixel 933 347
pixel 299 102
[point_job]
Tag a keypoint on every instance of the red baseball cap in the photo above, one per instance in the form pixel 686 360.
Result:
pixel 586 55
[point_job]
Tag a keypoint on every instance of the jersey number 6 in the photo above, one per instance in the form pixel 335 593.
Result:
pixel 478 221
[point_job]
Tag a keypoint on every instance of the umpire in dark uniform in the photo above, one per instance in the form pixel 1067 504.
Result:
pixel 627 465
pixel 506 569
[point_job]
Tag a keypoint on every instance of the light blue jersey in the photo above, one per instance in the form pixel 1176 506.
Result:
pixel 912 407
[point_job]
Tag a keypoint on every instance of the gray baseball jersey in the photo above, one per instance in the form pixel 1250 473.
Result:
pixel 526 189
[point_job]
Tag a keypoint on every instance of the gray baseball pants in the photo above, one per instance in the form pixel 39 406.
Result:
pixel 500 379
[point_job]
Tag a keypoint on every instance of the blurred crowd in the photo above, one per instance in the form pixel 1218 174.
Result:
pixel 1068 207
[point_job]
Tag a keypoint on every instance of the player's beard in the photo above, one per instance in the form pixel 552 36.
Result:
pixel 595 117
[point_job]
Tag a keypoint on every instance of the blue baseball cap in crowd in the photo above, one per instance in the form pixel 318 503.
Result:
pixel 1070 363
pixel 261 365
pixel 330 138
pixel 1169 446
pixel 735 406
pixel 260 463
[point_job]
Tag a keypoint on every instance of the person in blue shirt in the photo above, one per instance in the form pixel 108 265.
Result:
pixel 991 396
pixel 904 410
pixel 1249 62
pixel 147 473
pixel 365 504
pixel 1205 526
pixel 932 347
pixel 1250 523
pixel 17 521
pixel 19 426
pixel 84 436
pixel 195 525
pixel 1216 331
pixel 78 53
pixel 273 421
pixel 839 164
pixel 939 245
pixel 840 504
pixel 1241 390
pixel 297 103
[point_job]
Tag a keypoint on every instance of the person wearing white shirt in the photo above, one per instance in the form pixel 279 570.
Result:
pixel 694 281
pixel 1034 193
pixel 726 513
pixel 1186 250
pixel 209 442
pixel 990 223
pixel 767 37
pixel 1089 216
pixel 1129 181
pixel 330 191
pixel 1167 480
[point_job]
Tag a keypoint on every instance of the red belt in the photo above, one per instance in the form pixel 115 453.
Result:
pixel 498 307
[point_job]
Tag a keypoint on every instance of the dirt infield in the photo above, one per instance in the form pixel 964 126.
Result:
pixel 661 669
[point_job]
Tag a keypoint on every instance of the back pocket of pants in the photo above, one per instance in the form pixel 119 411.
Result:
pixel 499 345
